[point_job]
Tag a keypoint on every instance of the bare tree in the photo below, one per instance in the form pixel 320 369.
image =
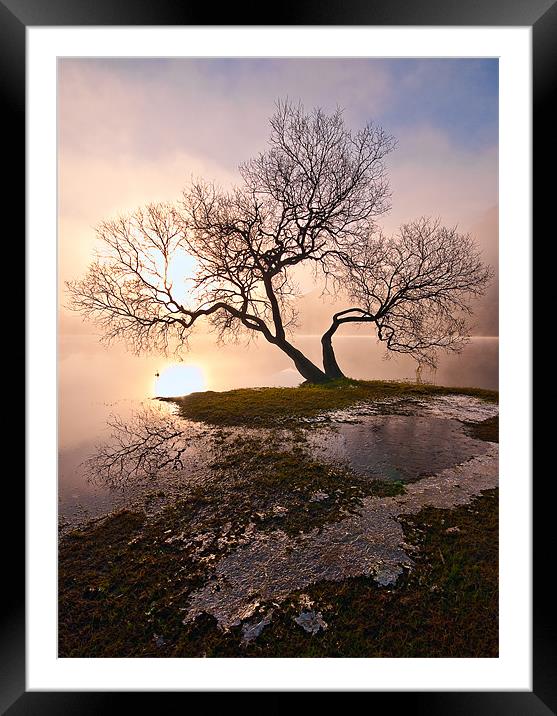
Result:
pixel 415 288
pixel 312 198
pixel 312 194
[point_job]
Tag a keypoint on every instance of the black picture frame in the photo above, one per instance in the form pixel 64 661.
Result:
pixel 541 15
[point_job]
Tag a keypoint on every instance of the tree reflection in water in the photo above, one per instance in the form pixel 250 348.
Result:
pixel 139 447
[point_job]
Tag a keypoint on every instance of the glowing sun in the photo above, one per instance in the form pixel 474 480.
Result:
pixel 179 380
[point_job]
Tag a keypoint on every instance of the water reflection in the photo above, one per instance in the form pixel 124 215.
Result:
pixel 150 455
pixel 92 377
pixel 95 383
pixel 179 380
pixel 146 457
pixel 398 447
pixel 139 447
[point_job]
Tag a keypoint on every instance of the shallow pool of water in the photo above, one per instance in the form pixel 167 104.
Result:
pixel 396 447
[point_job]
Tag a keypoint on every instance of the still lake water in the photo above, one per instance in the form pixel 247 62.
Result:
pixel 95 382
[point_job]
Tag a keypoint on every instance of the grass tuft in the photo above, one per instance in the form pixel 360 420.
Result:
pixel 280 406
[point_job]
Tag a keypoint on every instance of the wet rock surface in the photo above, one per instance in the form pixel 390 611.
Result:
pixel 251 630
pixel 368 542
pixel 259 529
pixel 455 407
pixel 311 622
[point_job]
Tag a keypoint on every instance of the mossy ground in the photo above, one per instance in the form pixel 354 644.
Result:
pixel 122 592
pixel 279 406
pixel 260 473
pixel 124 582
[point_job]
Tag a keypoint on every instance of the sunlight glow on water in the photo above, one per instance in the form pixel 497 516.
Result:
pixel 177 380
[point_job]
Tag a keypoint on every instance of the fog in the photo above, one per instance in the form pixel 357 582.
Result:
pixel 93 380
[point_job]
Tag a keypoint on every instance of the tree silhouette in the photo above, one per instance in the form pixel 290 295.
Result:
pixel 312 198
pixel 415 287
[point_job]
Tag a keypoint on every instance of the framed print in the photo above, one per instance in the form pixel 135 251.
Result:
pixel 272 319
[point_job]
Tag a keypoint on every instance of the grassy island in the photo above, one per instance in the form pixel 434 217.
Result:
pixel 275 406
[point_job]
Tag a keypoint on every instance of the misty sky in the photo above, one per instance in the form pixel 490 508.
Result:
pixel 133 131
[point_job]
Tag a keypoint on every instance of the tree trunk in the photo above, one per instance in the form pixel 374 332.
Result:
pixel 308 370
pixel 349 315
pixel 332 368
